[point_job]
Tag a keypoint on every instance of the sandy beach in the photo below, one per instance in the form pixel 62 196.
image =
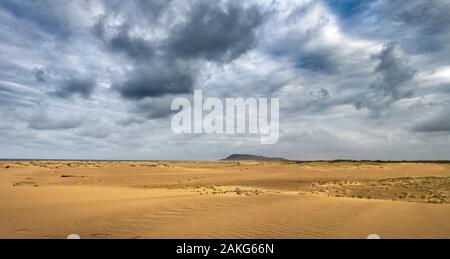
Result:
pixel 46 199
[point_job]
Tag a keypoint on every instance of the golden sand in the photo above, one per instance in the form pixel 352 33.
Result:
pixel 45 199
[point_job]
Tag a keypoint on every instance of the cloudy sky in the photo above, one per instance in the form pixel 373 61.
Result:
pixel 95 79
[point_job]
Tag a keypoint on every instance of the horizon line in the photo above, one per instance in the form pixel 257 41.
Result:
pixel 224 160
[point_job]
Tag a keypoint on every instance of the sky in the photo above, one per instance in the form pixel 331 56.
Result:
pixel 95 79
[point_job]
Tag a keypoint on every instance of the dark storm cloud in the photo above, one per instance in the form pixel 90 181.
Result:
pixel 298 46
pixel 93 131
pixel 440 123
pixel 54 125
pixel 75 86
pixel 395 80
pixel 154 108
pixel 429 17
pixel 39 74
pixel 152 9
pixel 43 121
pixel 320 61
pixel 157 80
pixel 216 33
pixel 395 74
pixel 123 42
pixel 321 94
pixel 149 10
pixel 426 22
pixel 208 31
pixel 130 121
pixel 313 103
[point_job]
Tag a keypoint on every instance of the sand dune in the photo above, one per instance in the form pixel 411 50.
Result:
pixel 223 200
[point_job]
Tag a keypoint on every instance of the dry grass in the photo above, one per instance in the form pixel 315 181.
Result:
pixel 410 189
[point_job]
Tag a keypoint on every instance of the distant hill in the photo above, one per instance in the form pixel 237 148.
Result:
pixel 246 157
